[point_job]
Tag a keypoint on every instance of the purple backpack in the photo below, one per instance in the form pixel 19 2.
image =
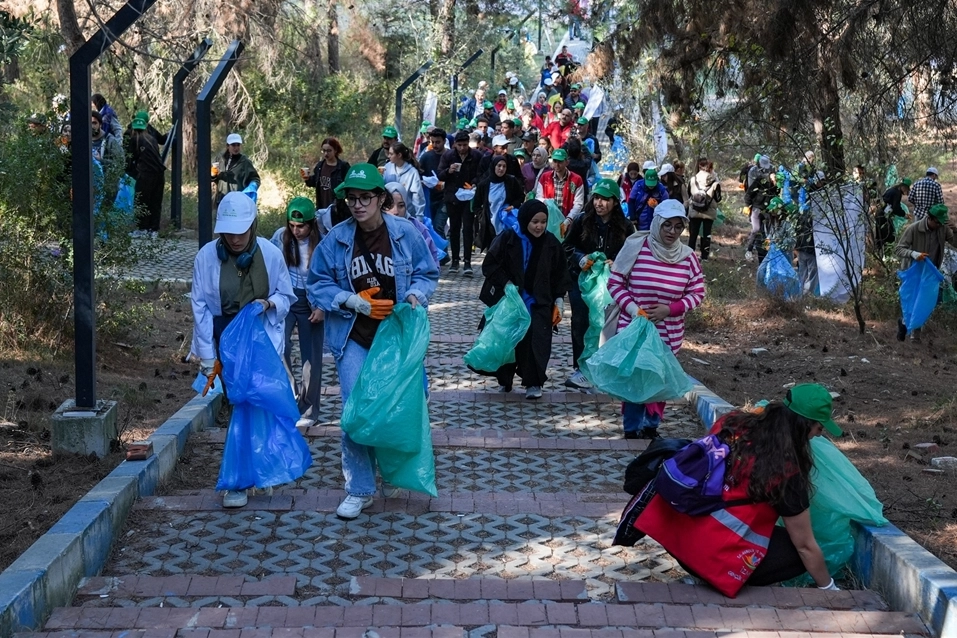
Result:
pixel 692 481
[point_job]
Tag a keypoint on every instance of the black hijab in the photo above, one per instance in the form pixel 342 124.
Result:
pixel 531 245
pixel 492 177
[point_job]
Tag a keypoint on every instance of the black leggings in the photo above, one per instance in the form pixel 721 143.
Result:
pixel 696 225
pixel 781 563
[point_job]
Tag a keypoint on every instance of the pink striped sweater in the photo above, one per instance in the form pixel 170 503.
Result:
pixel 680 286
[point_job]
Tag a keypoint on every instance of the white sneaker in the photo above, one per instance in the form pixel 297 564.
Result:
pixel 390 491
pixel 578 380
pixel 533 392
pixel 234 498
pixel 352 506
pixel 305 422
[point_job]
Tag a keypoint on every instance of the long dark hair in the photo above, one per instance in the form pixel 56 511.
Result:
pixel 290 245
pixel 618 225
pixel 772 445
pixel 401 149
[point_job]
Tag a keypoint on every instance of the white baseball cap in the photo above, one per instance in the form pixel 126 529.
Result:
pixel 648 164
pixel 513 80
pixel 665 169
pixel 932 170
pixel 549 81
pixel 235 214
pixel 670 208
pixel 499 140
pixel 234 138
pixel 503 92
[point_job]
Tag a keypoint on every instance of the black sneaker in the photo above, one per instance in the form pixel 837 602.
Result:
pixel 631 435
pixel 901 330
pixel 467 271
pixel 648 433
pixel 454 267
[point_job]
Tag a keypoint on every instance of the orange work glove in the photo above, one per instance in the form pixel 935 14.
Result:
pixel 652 202
pixel 381 308
pixel 556 316
pixel 211 377
pixel 921 257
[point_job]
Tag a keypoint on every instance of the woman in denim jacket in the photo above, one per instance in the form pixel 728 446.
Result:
pixel 359 271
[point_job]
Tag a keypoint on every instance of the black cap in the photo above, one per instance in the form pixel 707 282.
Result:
pixel 530 136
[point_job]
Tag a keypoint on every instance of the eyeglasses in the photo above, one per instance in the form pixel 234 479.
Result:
pixel 673 228
pixel 365 200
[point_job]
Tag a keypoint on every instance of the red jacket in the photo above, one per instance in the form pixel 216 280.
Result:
pixel 557 133
pixel 572 184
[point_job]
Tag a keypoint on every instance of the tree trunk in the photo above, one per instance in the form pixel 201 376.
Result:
pixel 447 28
pixel 827 112
pixel 333 38
pixel 69 26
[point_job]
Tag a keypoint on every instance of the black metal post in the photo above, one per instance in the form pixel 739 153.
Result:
pixel 399 91
pixel 203 127
pixel 539 26
pixel 176 133
pixel 84 319
pixel 455 81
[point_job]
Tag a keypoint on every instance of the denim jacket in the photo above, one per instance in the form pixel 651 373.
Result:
pixel 329 284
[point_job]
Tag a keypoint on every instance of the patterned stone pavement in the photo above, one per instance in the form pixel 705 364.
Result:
pixel 324 553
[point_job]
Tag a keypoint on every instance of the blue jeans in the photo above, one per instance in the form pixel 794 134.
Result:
pixel 635 417
pixel 440 217
pixel 358 461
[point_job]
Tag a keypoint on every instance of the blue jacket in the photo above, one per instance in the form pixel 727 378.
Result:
pixel 329 284
pixel 638 209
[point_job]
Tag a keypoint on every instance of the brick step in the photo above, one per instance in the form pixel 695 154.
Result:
pixel 517 395
pixel 281 632
pixel 486 439
pixel 617 616
pixel 589 505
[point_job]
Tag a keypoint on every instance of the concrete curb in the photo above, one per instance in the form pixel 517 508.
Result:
pixel 885 559
pixel 78 545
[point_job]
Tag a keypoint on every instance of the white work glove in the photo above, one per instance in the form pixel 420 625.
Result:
pixel 831 586
pixel 431 182
pixel 585 263
pixel 359 304
pixel 560 304
pixel 632 309
pixel 749 256
pixel 206 366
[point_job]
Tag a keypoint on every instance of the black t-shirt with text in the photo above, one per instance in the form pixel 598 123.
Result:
pixel 364 276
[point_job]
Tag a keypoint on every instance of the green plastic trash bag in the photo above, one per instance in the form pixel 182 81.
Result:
pixel 891 177
pixel 505 325
pixel 719 219
pixel 841 495
pixel 555 219
pixel 899 224
pixel 593 285
pixel 949 296
pixel 637 366
pixel 388 409
pixel 388 400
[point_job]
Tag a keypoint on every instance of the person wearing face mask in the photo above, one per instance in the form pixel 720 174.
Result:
pixel 533 169
pixel 495 196
pixel 533 260
pixel 658 276
pixel 297 240
pixel 237 269
pixel 602 227
pixel 363 267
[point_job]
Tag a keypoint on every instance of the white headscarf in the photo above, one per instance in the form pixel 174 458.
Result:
pixel 676 252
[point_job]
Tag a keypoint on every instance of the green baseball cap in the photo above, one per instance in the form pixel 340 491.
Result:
pixel 906 182
pixel 813 401
pixel 425 126
pixel 138 124
pixel 560 155
pixel 390 131
pixel 939 212
pixel 487 105
pixel 510 105
pixel 775 203
pixel 517 122
pixel 651 177
pixel 607 188
pixel 582 120
pixel 142 115
pixel 463 123
pixel 520 153
pixel 579 105
pixel 363 177
pixel 575 87
pixel 301 210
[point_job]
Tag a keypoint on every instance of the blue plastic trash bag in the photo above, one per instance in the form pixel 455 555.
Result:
pixel 200 384
pixel 440 242
pixel 253 191
pixel 636 366
pixel 263 446
pixel 387 408
pixel 507 218
pixel 777 275
pixel 920 286
pixel 124 196
pixel 505 325
pixel 555 219
pixel 840 495
pixel 593 285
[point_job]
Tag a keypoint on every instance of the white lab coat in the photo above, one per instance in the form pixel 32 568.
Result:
pixel 206 302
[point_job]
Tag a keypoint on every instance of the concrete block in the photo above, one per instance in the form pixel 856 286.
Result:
pixel 119 493
pixel 59 558
pixel 91 521
pixel 709 406
pixel 78 431
pixel 21 600
pixel 145 472
pixel 178 427
pixel 166 452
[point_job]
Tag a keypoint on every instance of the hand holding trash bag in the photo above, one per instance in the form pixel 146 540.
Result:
pixel 505 325
pixel 363 303
pixel 920 285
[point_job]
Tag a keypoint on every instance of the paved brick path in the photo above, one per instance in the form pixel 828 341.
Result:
pixel 517 545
